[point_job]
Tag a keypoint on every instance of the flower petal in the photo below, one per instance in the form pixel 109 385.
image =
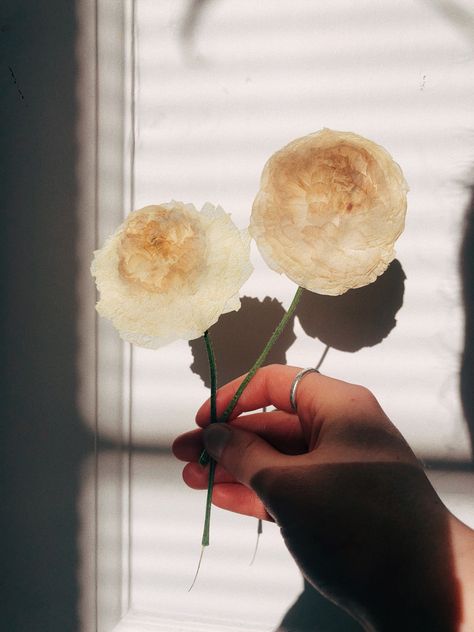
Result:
pixel 169 272
pixel 330 207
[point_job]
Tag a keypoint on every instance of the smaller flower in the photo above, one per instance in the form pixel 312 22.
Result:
pixel 330 207
pixel 169 272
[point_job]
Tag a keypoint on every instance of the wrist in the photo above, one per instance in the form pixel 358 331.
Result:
pixel 431 586
pixel 462 543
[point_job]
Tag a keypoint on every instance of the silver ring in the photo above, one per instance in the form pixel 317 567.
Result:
pixel 298 377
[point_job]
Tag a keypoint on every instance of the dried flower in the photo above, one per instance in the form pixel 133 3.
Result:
pixel 169 272
pixel 330 207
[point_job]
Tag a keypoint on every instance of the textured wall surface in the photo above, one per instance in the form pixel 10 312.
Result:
pixel 43 440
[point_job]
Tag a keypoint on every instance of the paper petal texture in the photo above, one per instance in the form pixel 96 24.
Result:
pixel 330 207
pixel 169 272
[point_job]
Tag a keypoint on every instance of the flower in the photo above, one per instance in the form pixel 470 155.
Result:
pixel 330 207
pixel 169 272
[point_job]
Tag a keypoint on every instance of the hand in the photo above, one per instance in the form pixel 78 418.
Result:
pixel 353 503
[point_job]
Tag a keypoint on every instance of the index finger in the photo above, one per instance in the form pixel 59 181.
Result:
pixel 270 386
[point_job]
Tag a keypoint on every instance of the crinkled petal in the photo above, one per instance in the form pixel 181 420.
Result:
pixel 330 207
pixel 186 302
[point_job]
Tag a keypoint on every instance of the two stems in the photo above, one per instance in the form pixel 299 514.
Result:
pixel 228 411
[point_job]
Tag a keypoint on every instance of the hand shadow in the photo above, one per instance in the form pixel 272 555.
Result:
pixel 238 337
pixel 373 535
pixel 359 318
pixel 312 612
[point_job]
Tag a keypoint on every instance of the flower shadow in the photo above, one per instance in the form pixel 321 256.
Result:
pixel 238 337
pixel 359 318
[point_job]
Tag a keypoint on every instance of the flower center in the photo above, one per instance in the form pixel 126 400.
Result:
pixel 338 182
pixel 161 248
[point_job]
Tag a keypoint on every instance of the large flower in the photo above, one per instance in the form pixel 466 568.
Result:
pixel 329 210
pixel 169 272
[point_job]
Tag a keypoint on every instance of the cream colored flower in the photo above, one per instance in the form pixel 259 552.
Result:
pixel 329 210
pixel 169 272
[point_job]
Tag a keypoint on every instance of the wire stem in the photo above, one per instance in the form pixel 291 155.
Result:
pixel 259 533
pixel 212 464
pixel 213 374
pixel 263 356
pixel 204 458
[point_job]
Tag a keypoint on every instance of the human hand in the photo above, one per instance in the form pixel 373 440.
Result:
pixel 353 503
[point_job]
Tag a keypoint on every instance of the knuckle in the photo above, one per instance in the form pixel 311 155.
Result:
pixel 249 443
pixel 366 396
pixel 270 367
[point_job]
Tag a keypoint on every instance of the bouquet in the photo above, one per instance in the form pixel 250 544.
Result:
pixel 330 207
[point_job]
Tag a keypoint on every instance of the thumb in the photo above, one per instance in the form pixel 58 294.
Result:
pixel 243 454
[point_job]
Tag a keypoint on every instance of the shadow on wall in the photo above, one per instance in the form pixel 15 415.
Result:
pixel 467 361
pixel 43 442
pixel 238 337
pixel 359 318
pixel 191 19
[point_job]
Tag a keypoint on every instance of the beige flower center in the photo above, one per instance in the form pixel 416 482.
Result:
pixel 334 182
pixel 161 248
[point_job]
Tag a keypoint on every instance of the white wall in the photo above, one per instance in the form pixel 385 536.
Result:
pixel 209 105
pixel 212 106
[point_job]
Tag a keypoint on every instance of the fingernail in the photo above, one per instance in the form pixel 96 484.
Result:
pixel 216 437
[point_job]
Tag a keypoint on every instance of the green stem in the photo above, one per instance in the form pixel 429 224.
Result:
pixel 207 519
pixel 262 357
pixel 212 465
pixel 213 373
pixel 204 458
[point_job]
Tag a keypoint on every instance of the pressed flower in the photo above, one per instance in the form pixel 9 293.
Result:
pixel 169 272
pixel 330 207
